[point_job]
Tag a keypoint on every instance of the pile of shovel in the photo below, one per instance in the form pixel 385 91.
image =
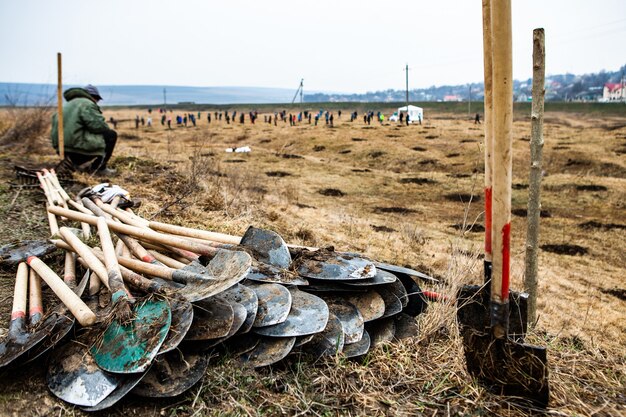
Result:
pixel 156 301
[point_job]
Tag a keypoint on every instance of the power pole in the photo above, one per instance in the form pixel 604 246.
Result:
pixel 469 103
pixel 407 87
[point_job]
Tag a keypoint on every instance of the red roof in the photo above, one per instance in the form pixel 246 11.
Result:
pixel 613 86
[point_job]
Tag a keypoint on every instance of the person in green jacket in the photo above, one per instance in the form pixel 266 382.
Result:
pixel 88 140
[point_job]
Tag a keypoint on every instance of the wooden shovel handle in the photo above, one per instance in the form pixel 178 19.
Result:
pixel 18 312
pixel 79 309
pixel 35 305
pixel 166 260
pixel 139 232
pixel 200 234
pixel 116 283
pixel 70 269
pixel 85 252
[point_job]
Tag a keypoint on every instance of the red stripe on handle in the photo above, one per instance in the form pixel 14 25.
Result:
pixel 17 315
pixel 435 296
pixel 488 222
pixel 29 259
pixel 506 260
pixel 148 259
pixel 36 310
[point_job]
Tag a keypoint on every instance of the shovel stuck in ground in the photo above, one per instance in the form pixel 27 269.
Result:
pixel 505 364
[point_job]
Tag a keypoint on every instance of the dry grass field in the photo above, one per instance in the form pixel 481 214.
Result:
pixel 410 195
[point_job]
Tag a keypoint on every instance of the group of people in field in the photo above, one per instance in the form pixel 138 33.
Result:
pixel 89 141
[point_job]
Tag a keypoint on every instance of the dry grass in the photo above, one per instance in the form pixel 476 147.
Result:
pixel 185 177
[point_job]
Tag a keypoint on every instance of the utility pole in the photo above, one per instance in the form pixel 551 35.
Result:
pixel 469 103
pixel 407 87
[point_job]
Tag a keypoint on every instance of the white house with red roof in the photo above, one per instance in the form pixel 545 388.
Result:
pixel 614 92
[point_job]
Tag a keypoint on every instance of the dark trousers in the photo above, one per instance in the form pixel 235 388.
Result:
pixel 100 162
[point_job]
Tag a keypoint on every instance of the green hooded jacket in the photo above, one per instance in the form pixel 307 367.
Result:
pixel 83 124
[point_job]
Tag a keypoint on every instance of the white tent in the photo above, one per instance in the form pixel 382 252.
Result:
pixel 416 114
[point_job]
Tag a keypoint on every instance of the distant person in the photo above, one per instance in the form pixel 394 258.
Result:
pixel 137 122
pixel 401 118
pixel 477 119
pixel 309 116
pixel 193 119
pixel 317 118
pixel 208 117
pixel 87 137
pixel 407 119
pixel 331 118
pixel 143 121
pixel 365 118
pixel 338 114
pixel 185 119
pixel 149 121
pixel 242 118
pixel 162 119
pixel 169 121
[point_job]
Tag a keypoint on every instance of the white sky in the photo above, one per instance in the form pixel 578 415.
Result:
pixel 335 45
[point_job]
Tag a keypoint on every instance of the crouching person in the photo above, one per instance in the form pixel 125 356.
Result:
pixel 88 140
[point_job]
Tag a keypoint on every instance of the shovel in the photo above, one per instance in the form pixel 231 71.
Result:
pixel 20 340
pixel 381 331
pixel 269 350
pixel 329 342
pixel 172 374
pixel 359 348
pixel 14 253
pixel 308 315
pixel 506 365
pixel 274 304
pixel 248 299
pixel 131 341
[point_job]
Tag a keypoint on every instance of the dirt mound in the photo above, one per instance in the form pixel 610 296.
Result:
pixel 319 148
pixel 592 224
pixel 394 210
pixel 616 292
pixel 235 161
pixel 469 141
pixel 265 140
pixel 462 197
pixel 428 162
pixel 565 249
pixel 459 175
pixel 473 228
pixel 375 154
pixel 382 228
pixel 331 192
pixel 522 212
pixel 519 186
pixel 361 170
pixel 419 181
pixel 359 140
pixel 345 151
pixel 431 137
pixel 419 149
pixel 290 156
pixel 591 187
pixel 453 155
pixel 279 174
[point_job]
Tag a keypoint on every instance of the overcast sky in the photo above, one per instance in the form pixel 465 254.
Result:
pixel 335 45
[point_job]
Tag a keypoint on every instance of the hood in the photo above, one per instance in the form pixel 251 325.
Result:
pixel 77 92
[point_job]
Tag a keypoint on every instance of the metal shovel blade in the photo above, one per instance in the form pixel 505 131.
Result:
pixel 240 344
pixel 239 317
pixel 212 319
pixel 417 303
pixel 64 323
pixel 267 246
pixel 267 273
pixel 328 265
pixel 17 344
pixel 308 315
pixel 381 331
pixel 370 304
pixel 128 383
pixel 358 348
pixel 172 374
pixel 274 304
pixel 14 253
pixel 351 319
pixel 399 291
pixel 182 317
pixel 407 271
pixel 303 340
pixel 508 367
pixel 406 326
pixel 269 350
pixel 381 277
pixel 393 305
pixel 74 377
pixel 246 297
pixel 328 342
pixel 130 348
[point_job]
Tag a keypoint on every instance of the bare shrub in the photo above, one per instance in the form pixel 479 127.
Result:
pixel 26 127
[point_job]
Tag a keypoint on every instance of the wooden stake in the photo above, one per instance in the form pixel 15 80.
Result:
pixel 488 125
pixel 60 105
pixel 502 162
pixel 534 182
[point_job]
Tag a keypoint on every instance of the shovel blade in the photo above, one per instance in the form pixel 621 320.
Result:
pixel 130 348
pixel 508 367
pixel 267 246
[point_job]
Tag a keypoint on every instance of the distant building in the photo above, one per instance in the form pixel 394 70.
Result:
pixel 452 97
pixel 614 92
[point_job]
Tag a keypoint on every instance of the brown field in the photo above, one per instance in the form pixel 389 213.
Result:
pixel 410 195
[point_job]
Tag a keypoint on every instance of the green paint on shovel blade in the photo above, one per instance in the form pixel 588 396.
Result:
pixel 130 348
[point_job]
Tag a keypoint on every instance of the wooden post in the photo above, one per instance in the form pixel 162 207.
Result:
pixel 502 162
pixel 488 125
pixel 60 106
pixel 534 182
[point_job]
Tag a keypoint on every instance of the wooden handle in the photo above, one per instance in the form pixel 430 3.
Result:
pixel 57 184
pixel 60 105
pixel 132 278
pixel 139 233
pixel 78 308
pixel 35 305
pixel 488 125
pixel 52 223
pixel 18 312
pixel 85 252
pixel 167 261
pixel 200 234
pixel 116 283
pixel 502 168
pixel 124 216
pixel 44 187
pixel 70 269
